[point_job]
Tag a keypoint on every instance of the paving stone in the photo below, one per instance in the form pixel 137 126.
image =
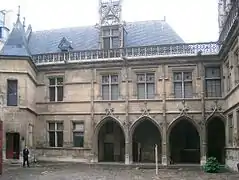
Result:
pixel 87 172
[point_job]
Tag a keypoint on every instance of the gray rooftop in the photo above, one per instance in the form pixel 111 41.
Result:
pixel 141 33
pixel 16 44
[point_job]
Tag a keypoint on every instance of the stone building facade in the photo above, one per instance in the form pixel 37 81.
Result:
pixel 113 91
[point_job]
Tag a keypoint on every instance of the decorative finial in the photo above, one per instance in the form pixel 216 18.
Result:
pixel 18 12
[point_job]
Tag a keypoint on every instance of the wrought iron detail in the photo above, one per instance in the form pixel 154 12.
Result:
pixel 174 50
pixel 232 18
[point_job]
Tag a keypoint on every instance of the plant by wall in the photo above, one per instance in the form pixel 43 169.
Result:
pixel 212 165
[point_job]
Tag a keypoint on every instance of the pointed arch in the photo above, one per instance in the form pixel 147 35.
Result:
pixel 173 123
pixel 145 132
pixel 142 118
pixel 104 120
pixel 184 139
pixel 215 115
pixel 109 140
pixel 215 126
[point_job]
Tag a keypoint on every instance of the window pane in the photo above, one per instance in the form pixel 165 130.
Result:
pixel 141 91
pixel 105 79
pixel 78 127
pixel 150 91
pixel 11 100
pixel 52 139
pixel 12 92
pixel 188 89
pixel 78 139
pixel 106 43
pixel 51 126
pixel 115 32
pixel 178 90
pixel 213 72
pixel 52 93
pixel 59 93
pixel 59 126
pixel 150 77
pixel 178 76
pixel 59 139
pixel 60 81
pixel 114 92
pixel 213 88
pixel 106 32
pixel 114 79
pixel 141 78
pixel 187 76
pixel 52 81
pixel 105 92
pixel 115 42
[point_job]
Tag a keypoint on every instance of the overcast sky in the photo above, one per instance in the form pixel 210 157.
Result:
pixel 193 20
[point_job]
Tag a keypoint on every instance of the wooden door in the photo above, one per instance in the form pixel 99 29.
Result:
pixel 108 152
pixel 9 145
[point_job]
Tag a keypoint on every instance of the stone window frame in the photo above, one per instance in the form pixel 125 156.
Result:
pixel 55 130
pixel 73 122
pixel 193 69
pixel 230 119
pixel 236 59
pixel 47 81
pixel 17 91
pixel 227 75
pixel 221 77
pixel 183 82
pixel 133 75
pixel 111 36
pixel 102 72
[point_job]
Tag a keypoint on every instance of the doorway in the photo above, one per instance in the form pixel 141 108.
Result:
pixel 216 139
pixel 12 145
pixel 184 143
pixel 145 135
pixel 111 142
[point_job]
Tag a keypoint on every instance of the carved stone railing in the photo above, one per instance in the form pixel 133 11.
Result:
pixel 232 18
pixel 172 50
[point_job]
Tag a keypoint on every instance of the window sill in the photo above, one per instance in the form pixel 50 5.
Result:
pixel 181 99
pixel 63 148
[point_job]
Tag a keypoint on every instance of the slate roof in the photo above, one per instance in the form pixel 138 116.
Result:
pixel 140 33
pixel 16 44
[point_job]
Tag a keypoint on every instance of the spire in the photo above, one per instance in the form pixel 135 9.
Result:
pixel 18 13
pixel 16 44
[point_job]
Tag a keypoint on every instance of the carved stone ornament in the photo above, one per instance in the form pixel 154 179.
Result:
pixel 109 111
pixel 216 107
pixel 183 109
pixel 145 111
pixel 127 124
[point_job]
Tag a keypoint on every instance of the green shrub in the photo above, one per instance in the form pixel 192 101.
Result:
pixel 212 165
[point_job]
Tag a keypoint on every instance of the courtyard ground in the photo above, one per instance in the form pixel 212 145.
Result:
pixel 69 171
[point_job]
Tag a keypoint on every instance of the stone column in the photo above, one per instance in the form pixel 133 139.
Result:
pixel 165 160
pixel 128 149
pixel 203 147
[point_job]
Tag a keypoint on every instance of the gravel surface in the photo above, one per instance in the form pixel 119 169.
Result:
pixel 69 171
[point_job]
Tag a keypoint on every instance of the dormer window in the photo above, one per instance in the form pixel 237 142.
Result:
pixel 110 38
pixel 65 45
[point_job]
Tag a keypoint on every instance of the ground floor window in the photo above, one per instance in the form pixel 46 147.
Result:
pixel 78 134
pixel 55 131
